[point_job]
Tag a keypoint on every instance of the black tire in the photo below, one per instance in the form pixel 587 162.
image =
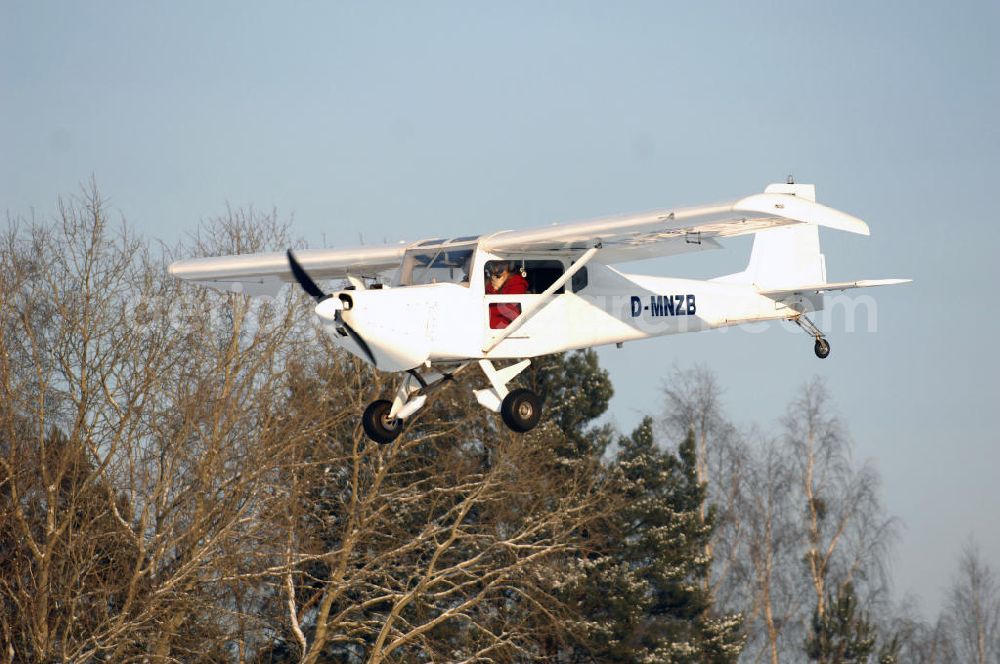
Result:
pixel 822 348
pixel 377 424
pixel 521 409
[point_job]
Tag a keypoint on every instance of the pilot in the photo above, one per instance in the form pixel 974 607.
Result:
pixel 502 282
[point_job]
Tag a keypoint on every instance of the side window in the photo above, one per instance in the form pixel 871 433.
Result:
pixel 542 274
pixel 580 280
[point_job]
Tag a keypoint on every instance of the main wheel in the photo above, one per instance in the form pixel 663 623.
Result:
pixel 822 348
pixel 377 423
pixel 521 410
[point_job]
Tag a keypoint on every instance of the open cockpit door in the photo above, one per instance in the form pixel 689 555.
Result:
pixel 534 311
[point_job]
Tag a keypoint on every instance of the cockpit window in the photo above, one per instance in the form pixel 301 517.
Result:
pixel 430 265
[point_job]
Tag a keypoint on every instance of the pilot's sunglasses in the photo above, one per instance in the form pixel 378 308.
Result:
pixel 497 272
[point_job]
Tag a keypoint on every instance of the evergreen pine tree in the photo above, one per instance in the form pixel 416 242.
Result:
pixel 842 634
pixel 642 595
pixel 575 391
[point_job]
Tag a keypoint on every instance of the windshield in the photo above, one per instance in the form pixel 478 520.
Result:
pixel 437 264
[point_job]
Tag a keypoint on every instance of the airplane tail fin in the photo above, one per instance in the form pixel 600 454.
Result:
pixel 787 265
pixel 787 256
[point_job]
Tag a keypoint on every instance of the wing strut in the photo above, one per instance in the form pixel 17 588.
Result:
pixel 543 299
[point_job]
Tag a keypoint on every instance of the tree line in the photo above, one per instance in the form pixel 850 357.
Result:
pixel 183 479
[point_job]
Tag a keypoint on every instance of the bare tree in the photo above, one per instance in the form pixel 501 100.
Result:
pixel 968 626
pixel 182 477
pixel 693 402
pixel 921 642
pixel 771 551
pixel 931 645
pixel 431 545
pixel 136 434
pixel 845 533
pixel 973 617
pixel 797 518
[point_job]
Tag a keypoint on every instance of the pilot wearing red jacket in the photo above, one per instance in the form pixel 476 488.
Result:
pixel 502 282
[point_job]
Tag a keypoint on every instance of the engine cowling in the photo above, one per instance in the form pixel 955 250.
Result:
pixel 393 326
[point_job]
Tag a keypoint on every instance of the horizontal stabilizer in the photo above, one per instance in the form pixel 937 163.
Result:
pixel 816 289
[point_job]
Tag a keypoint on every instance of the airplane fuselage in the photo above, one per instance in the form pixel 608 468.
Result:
pixel 407 327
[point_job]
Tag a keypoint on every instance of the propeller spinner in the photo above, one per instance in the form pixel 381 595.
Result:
pixel 323 305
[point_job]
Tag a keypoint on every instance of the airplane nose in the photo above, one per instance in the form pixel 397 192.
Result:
pixel 328 308
pixel 395 331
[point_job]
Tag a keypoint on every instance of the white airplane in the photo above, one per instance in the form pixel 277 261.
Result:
pixel 422 308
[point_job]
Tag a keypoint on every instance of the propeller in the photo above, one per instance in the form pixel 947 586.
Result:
pixel 310 287
pixel 301 276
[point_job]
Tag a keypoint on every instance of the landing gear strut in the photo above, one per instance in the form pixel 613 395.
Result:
pixel 383 420
pixel 822 346
pixel 520 409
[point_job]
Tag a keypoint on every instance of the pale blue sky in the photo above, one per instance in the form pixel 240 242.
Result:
pixel 407 120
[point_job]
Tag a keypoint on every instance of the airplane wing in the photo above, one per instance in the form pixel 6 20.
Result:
pixel 674 231
pixel 265 274
pixel 623 238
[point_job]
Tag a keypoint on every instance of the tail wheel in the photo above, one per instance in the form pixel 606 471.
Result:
pixel 521 410
pixel 822 348
pixel 378 425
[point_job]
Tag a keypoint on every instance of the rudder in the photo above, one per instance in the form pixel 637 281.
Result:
pixel 787 256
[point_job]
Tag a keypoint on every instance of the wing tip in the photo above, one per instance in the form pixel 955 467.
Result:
pixel 801 210
pixel 176 269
